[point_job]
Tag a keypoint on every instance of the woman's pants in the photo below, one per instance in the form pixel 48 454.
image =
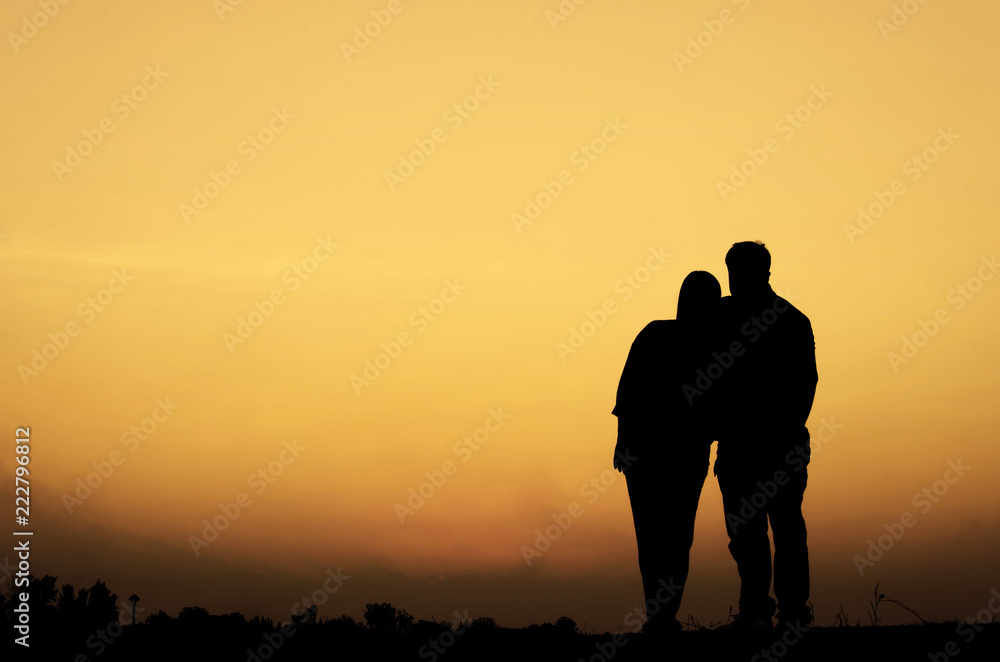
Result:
pixel 664 490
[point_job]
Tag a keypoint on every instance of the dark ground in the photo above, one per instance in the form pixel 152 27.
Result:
pixel 229 638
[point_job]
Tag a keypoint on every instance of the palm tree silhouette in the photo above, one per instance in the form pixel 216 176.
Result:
pixel 133 599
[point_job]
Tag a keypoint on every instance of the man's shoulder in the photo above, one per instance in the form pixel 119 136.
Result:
pixel 793 323
pixel 787 308
pixel 771 299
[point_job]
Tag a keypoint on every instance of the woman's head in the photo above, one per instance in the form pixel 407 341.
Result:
pixel 700 293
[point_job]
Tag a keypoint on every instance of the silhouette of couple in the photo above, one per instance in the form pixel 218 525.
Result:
pixel 740 370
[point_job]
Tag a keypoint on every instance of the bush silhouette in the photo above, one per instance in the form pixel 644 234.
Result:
pixel 384 618
pixel 566 624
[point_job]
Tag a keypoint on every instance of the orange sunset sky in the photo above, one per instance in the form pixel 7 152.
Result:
pixel 215 215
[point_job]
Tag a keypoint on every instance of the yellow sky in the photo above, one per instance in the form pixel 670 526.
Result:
pixel 626 133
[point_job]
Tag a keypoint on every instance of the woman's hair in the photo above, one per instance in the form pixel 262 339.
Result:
pixel 700 293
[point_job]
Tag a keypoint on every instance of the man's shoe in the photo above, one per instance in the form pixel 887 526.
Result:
pixel 800 618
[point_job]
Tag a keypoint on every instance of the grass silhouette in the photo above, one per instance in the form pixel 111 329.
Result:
pixel 91 624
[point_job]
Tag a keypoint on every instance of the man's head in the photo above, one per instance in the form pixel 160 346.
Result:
pixel 749 265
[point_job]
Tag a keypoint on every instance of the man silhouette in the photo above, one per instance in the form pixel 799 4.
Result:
pixel 767 383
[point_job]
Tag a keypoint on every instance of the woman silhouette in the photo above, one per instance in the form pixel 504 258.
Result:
pixel 664 439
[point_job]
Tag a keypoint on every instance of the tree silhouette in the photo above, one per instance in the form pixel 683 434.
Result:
pixel 566 624
pixel 193 615
pixel 384 618
pixel 102 604
pixel 42 591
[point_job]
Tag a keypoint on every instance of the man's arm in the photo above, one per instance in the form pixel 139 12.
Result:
pixel 804 373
